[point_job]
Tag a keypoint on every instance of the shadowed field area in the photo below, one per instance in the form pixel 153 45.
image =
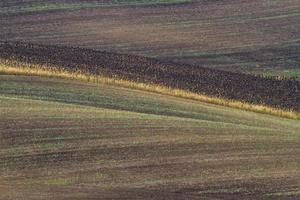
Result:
pixel 63 139
pixel 257 36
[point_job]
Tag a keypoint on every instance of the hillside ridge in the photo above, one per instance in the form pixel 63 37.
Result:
pixel 230 85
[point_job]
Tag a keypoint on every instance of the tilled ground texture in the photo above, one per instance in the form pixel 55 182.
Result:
pixel 257 36
pixel 64 139
pixel 236 86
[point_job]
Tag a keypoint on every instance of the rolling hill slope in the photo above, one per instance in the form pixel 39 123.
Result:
pixel 257 36
pixel 63 139
pixel 283 94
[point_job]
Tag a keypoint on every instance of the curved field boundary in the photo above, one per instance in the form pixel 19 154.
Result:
pixel 18 68
pixel 148 73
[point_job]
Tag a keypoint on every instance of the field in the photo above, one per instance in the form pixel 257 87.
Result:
pixel 257 36
pixel 150 99
pixel 64 139
pixel 247 89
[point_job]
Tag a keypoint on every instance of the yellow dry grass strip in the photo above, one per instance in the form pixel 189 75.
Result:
pixel 21 68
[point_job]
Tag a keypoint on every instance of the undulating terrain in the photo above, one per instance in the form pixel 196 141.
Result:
pixel 284 94
pixel 124 99
pixel 63 139
pixel 257 36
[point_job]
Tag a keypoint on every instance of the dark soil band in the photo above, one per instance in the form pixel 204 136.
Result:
pixel 283 94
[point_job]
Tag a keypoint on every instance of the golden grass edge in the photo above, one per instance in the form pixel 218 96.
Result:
pixel 21 68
